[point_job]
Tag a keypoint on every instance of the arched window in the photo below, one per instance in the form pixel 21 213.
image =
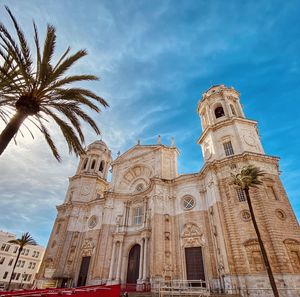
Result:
pixel 219 112
pixel 101 166
pixel 84 164
pixel 93 164
pixel 232 109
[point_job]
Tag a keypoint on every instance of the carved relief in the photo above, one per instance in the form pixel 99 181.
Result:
pixel 87 247
pixel 136 178
pixel 192 236
pixel 92 223
pixel 85 190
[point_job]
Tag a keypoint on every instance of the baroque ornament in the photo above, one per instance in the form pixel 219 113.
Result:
pixel 93 222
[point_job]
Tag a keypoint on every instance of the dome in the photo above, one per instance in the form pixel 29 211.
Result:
pixel 98 145
pixel 219 90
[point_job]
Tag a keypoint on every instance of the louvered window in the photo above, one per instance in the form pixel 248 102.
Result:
pixel 241 195
pixel 228 148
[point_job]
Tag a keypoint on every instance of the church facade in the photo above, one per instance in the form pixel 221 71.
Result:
pixel 151 224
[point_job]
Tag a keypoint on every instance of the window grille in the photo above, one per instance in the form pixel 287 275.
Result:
pixel 241 195
pixel 228 148
pixel 188 202
pixel 138 216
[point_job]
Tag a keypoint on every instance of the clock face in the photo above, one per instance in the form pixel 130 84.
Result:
pixel 85 190
pixel 250 140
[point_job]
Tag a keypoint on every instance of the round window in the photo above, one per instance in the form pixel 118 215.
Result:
pixel 188 202
pixel 280 214
pixel 139 187
pixel 245 214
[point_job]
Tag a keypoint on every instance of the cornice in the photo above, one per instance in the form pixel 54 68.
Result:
pixel 90 176
pixel 222 124
pixel 246 156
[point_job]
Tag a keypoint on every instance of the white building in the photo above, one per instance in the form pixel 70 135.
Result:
pixel 27 266
pixel 151 224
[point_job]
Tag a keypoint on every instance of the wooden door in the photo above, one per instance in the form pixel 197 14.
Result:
pixel 194 264
pixel 133 264
pixel 83 272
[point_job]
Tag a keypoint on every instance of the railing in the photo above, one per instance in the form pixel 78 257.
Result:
pixel 283 292
pixel 135 287
pixel 184 288
pixel 89 291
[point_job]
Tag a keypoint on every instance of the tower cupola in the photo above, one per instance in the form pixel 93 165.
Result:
pixel 219 103
pixel 226 130
pixel 96 161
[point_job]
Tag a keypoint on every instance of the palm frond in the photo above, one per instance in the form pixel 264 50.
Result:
pixel 26 239
pixel 38 54
pixel 41 89
pixel 49 140
pixel 67 63
pixel 23 43
pixel 70 136
pixel 248 177
pixel 49 47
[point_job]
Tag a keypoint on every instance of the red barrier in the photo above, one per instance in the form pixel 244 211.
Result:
pixel 89 291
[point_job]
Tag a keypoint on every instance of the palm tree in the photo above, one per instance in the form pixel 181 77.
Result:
pixel 247 178
pixel 41 90
pixel 25 239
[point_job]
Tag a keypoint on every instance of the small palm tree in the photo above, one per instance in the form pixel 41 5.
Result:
pixel 25 239
pixel 40 90
pixel 247 178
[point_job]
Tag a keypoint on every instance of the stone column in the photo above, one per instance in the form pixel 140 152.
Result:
pixel 141 260
pixel 145 259
pixel 119 261
pixel 111 269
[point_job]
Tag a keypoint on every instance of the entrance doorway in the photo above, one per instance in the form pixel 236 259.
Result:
pixel 194 263
pixel 83 272
pixel 133 264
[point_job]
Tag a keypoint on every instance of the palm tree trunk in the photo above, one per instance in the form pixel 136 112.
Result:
pixel 12 273
pixel 11 129
pixel 261 244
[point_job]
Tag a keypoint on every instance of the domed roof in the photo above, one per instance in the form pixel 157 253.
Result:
pixel 98 145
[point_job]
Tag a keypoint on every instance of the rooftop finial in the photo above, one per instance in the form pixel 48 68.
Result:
pixel 138 142
pixel 172 142
pixel 118 153
pixel 158 139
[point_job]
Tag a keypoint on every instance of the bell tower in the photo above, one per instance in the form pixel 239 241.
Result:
pixel 225 129
pixel 90 180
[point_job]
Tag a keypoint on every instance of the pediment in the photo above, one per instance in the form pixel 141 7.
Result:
pixel 136 152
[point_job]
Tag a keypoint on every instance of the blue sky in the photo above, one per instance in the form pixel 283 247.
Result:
pixel 155 59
